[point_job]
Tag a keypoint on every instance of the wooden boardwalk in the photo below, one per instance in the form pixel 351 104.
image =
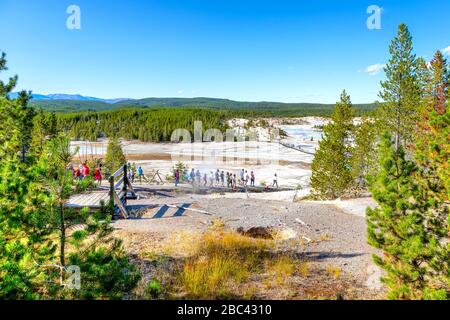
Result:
pixel 91 200
pixel 120 189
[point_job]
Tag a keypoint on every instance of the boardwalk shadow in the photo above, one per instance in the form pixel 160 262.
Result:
pixel 138 211
pixel 323 255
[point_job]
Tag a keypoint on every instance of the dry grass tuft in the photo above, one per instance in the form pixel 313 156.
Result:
pixel 182 244
pixel 303 269
pixel 224 264
pixel 281 269
pixel 325 237
pixel 334 271
pixel 223 260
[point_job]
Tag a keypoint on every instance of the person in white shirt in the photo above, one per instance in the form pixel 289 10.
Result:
pixel 275 181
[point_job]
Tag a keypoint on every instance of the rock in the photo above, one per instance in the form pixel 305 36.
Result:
pixel 268 233
pixel 257 232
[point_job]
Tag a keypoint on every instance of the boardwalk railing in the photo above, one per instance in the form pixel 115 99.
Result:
pixel 293 146
pixel 119 190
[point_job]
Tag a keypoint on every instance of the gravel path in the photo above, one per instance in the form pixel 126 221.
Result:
pixel 338 238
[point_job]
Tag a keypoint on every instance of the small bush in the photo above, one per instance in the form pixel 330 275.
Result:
pixel 154 288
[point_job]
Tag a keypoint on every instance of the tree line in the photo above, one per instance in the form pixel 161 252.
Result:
pixel 262 109
pixel 148 125
pixel 141 124
pixel 402 156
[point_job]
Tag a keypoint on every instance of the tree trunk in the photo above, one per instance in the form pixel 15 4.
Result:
pixel 62 254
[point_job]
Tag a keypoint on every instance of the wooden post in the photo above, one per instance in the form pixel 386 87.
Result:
pixel 111 192
pixel 111 188
pixel 125 180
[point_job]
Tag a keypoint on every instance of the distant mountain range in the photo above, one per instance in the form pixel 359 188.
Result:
pixel 76 97
pixel 77 103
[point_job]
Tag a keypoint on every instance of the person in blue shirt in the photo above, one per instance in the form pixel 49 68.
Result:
pixel 140 173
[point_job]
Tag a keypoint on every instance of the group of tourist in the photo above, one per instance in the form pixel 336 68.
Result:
pixel 83 171
pixel 220 178
pixel 214 179
pixel 135 173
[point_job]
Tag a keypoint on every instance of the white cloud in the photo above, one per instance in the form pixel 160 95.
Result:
pixel 180 91
pixel 373 69
pixel 446 51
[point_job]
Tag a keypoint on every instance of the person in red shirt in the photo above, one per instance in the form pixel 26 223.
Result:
pixel 86 171
pixel 77 173
pixel 98 174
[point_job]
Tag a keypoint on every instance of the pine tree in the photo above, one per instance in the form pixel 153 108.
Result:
pixel 432 154
pixel 32 211
pixel 44 128
pixel 6 88
pixel 440 83
pixel 99 256
pixel 397 226
pixel 433 146
pixel 401 91
pixel 331 172
pixel 10 128
pixel 23 242
pixel 411 224
pixel 39 133
pixel 24 238
pixel 52 125
pixel 23 112
pixel 114 156
pixel 364 157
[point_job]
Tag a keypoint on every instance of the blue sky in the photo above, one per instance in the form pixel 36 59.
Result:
pixel 291 51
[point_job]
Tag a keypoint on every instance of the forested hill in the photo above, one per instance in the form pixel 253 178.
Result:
pixel 156 125
pixel 263 108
